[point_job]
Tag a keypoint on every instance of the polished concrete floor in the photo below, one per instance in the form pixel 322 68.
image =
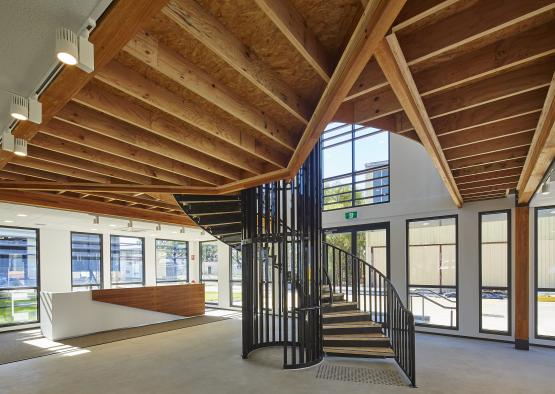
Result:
pixel 206 359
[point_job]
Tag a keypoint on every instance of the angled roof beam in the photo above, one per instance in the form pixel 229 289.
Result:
pixel 393 64
pixel 542 150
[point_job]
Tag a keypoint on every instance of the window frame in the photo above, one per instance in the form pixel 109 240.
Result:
pixel 536 279
pixel 407 269
pixel 156 261
pixel 509 287
pixel 234 281
pixel 201 280
pixel 101 284
pixel 37 288
pixel 353 174
pixel 143 261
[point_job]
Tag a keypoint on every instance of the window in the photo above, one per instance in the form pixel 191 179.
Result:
pixel 86 261
pixel 545 272
pixel 432 271
pixel 355 162
pixel 127 255
pixel 235 275
pixel 209 270
pixel 495 272
pixel 172 261
pixel 19 283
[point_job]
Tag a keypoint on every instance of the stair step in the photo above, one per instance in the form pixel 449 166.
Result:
pixel 336 296
pixel 357 340
pixel 340 306
pixel 370 352
pixel 345 316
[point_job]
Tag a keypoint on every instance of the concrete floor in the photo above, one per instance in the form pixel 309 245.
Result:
pixel 206 359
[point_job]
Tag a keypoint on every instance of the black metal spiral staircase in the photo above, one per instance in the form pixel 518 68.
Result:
pixel 361 313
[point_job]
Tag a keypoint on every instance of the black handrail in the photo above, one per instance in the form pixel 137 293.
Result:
pixel 374 293
pixel 416 291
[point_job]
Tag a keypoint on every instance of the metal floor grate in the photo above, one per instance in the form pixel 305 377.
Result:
pixel 343 373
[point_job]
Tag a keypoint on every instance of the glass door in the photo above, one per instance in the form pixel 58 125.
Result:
pixel 370 242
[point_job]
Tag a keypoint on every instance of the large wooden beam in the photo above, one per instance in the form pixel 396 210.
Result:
pixel 542 150
pixel 72 161
pixel 203 26
pixel 140 88
pixel 54 201
pixel 293 26
pixel 174 66
pixel 88 138
pixel 120 23
pixel 522 278
pixel 98 154
pixel 474 24
pixel 395 68
pixel 373 25
pixel 109 188
pixel 515 51
pixel 98 122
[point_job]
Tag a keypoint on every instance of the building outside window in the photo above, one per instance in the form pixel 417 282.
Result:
pixel 127 256
pixel 172 261
pixel 432 271
pixel 545 272
pixel 235 276
pixel 19 281
pixel 209 270
pixel 355 161
pixel 86 261
pixel 495 272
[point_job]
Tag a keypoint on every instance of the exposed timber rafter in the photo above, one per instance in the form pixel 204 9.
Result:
pixel 392 61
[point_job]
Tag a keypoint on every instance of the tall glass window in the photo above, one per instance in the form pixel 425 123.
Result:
pixel 209 270
pixel 235 276
pixel 545 272
pixel 432 271
pixel 127 255
pixel 495 272
pixel 86 261
pixel 19 267
pixel 355 162
pixel 172 261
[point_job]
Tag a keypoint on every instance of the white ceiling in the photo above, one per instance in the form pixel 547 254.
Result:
pixel 27 31
pixel 29 216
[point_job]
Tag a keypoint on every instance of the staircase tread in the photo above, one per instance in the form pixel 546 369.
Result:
pixel 342 303
pixel 354 324
pixel 345 313
pixel 346 337
pixel 369 351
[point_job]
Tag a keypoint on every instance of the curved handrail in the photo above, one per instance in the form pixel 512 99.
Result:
pixel 386 280
pixel 378 297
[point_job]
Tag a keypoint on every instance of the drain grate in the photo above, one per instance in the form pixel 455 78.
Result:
pixel 360 375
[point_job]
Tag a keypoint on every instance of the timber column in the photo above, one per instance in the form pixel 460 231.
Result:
pixel 522 277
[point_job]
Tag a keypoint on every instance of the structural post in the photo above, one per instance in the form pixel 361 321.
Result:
pixel 521 296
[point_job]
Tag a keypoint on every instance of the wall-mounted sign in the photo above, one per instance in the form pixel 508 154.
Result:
pixel 351 215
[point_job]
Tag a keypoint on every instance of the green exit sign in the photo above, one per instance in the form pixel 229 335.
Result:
pixel 351 215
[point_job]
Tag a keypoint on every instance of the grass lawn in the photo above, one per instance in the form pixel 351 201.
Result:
pixel 27 307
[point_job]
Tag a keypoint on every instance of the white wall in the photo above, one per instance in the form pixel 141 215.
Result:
pixel 417 191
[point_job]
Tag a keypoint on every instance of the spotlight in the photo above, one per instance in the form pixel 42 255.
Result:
pixel 202 232
pixel 7 140
pixel 74 50
pixel 22 109
pixel 182 231
pixel 158 227
pixel 20 148
pixel 96 220
pixel 546 188
pixel 130 224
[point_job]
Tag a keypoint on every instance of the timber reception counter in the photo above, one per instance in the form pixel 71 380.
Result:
pixel 65 315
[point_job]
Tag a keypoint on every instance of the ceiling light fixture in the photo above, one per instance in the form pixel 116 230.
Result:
pixel 96 220
pixel 546 188
pixel 182 231
pixel 158 227
pixel 22 215
pixel 75 50
pixel 20 147
pixel 130 224
pixel 11 144
pixel 23 109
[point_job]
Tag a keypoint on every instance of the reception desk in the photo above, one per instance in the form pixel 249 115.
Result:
pixel 66 315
